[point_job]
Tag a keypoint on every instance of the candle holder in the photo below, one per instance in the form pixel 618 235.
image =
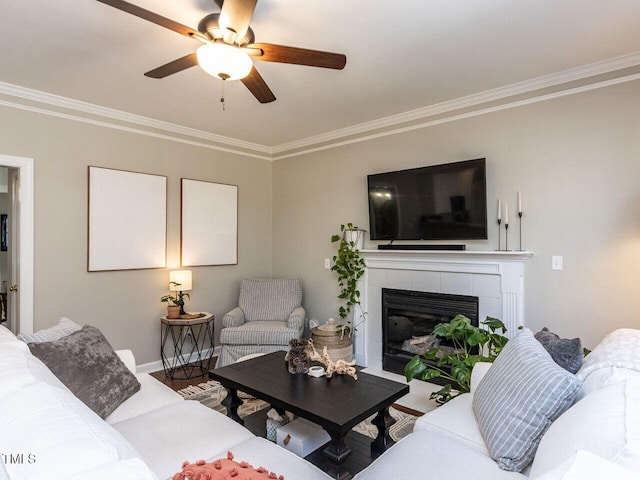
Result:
pixel 506 237
pixel 520 220
pixel 499 222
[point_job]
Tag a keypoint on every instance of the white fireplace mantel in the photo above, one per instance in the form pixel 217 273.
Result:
pixel 495 277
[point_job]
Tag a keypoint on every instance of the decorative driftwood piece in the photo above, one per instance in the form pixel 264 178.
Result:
pixel 341 366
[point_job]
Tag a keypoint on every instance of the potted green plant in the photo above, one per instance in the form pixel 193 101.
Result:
pixel 467 345
pixel 349 266
pixel 175 305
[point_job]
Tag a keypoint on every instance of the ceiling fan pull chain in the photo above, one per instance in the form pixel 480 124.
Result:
pixel 222 95
pixel 223 77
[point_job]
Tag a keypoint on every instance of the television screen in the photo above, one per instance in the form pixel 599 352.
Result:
pixel 439 202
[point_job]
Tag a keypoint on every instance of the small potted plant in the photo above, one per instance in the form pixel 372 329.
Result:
pixel 175 305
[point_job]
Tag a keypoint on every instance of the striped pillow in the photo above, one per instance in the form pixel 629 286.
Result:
pixel 62 329
pixel 523 392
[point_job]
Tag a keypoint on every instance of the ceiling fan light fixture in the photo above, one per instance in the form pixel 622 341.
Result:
pixel 224 61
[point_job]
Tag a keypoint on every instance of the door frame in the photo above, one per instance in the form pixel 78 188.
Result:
pixel 26 236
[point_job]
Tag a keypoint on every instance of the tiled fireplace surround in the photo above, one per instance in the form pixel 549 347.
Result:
pixel 496 278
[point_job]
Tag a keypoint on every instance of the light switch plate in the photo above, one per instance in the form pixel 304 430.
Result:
pixel 556 262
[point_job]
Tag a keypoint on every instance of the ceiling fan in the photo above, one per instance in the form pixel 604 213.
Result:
pixel 228 46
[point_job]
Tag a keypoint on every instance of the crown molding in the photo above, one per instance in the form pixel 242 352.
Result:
pixel 455 117
pixel 314 143
pixel 477 104
pixel 122 120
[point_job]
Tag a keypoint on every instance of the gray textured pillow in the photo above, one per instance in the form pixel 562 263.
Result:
pixel 62 329
pixel 85 362
pixel 523 392
pixel 565 352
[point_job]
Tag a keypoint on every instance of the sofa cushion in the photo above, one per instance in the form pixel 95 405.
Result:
pixel 9 340
pixel 85 362
pixel 14 371
pixel 76 439
pixel 62 329
pixel 480 369
pixel 606 423
pixel 584 465
pixel 130 469
pixel 424 454
pixel 457 420
pixel 152 395
pixel 565 352
pixel 258 333
pixel 523 392
pixel 3 471
pixel 188 430
pixel 269 299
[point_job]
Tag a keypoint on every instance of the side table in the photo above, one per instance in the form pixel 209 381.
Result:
pixel 184 344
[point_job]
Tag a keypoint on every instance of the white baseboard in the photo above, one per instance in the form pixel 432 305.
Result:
pixel 157 365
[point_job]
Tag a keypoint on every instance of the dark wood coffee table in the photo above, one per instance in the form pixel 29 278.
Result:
pixel 337 404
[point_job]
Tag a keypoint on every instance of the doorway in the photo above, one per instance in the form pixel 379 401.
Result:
pixel 7 315
pixel 16 243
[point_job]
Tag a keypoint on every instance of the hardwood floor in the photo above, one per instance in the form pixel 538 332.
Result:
pixel 180 384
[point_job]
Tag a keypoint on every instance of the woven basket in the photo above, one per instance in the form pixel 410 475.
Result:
pixel 337 348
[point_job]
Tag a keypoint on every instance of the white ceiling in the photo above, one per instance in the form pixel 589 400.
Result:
pixel 401 56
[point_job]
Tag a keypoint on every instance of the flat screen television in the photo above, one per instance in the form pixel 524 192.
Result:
pixel 438 202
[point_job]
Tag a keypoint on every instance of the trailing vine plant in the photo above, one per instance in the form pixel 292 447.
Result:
pixel 349 267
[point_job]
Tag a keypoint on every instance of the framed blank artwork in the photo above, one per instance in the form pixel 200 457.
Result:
pixel 209 223
pixel 127 220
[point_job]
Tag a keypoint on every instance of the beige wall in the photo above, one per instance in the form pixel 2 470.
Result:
pixel 125 304
pixel 576 160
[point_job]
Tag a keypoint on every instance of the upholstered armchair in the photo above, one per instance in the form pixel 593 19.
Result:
pixel 268 315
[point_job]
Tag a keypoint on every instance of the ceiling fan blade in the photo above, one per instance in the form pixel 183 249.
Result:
pixel 176 66
pixel 256 85
pixel 151 17
pixel 236 15
pixel 299 56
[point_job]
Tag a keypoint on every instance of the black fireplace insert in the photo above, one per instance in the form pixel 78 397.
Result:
pixel 408 320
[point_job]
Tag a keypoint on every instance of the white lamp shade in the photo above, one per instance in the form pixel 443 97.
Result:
pixel 183 277
pixel 224 61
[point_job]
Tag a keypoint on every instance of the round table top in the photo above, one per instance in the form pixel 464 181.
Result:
pixel 202 317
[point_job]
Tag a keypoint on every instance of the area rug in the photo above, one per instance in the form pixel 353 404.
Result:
pixel 212 393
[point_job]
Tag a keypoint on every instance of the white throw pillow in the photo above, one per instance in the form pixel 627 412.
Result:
pixel 605 376
pixel 523 392
pixel 605 422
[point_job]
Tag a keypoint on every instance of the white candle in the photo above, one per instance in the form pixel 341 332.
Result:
pixel 506 214
pixel 499 210
pixel 519 203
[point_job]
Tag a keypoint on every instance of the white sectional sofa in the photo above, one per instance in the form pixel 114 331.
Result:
pixel 598 437
pixel 46 432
